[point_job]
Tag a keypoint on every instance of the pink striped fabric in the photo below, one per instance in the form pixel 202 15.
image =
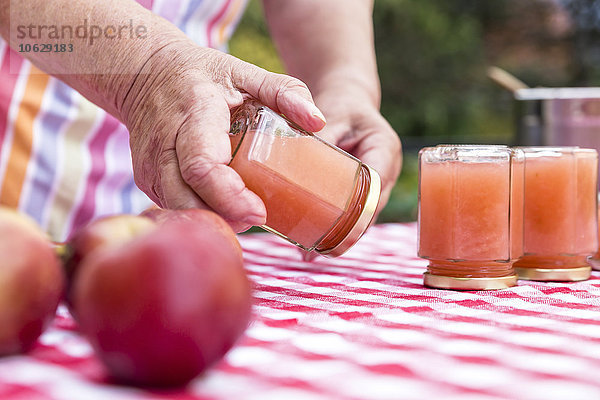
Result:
pixel 362 327
pixel 63 160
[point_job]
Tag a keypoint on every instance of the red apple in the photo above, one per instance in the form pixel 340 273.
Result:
pixel 212 223
pixel 162 215
pixel 105 232
pixel 167 304
pixel 31 282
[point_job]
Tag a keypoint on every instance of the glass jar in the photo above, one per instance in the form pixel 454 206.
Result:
pixel 317 196
pixel 595 260
pixel 560 213
pixel 470 215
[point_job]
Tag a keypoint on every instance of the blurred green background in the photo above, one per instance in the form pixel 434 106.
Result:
pixel 433 56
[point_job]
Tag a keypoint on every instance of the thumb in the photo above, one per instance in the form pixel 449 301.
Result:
pixel 282 93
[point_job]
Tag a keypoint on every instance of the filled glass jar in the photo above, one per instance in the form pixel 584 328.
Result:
pixel 317 196
pixel 470 215
pixel 595 260
pixel 560 213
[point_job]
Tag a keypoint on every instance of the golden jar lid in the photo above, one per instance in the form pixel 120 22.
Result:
pixel 364 219
pixel 554 274
pixel 456 283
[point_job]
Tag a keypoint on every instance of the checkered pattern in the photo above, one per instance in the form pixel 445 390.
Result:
pixel 362 327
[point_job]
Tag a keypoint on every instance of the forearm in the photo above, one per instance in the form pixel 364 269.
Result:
pixel 101 62
pixel 327 43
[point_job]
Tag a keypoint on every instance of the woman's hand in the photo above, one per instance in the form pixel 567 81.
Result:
pixel 174 97
pixel 356 125
pixel 329 44
pixel 178 115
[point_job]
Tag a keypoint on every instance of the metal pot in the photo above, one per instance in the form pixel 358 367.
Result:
pixel 558 117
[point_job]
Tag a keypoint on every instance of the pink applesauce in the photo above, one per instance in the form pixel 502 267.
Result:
pixel 560 212
pixel 470 202
pixel 316 195
pixel 595 260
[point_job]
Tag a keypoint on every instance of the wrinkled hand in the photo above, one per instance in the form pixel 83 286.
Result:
pixel 178 115
pixel 356 125
pixel 359 128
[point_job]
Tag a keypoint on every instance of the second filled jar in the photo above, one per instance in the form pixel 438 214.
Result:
pixel 560 222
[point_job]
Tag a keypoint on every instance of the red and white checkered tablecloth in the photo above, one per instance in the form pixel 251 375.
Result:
pixel 361 327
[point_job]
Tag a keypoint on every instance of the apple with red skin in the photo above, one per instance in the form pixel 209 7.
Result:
pixel 31 282
pixel 162 215
pixel 102 233
pixel 167 304
pixel 211 222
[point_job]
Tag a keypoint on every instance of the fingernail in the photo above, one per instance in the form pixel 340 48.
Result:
pixel 293 98
pixel 317 113
pixel 241 229
pixel 255 220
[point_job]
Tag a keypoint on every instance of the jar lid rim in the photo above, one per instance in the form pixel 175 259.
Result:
pixel 363 221
pixel 456 283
